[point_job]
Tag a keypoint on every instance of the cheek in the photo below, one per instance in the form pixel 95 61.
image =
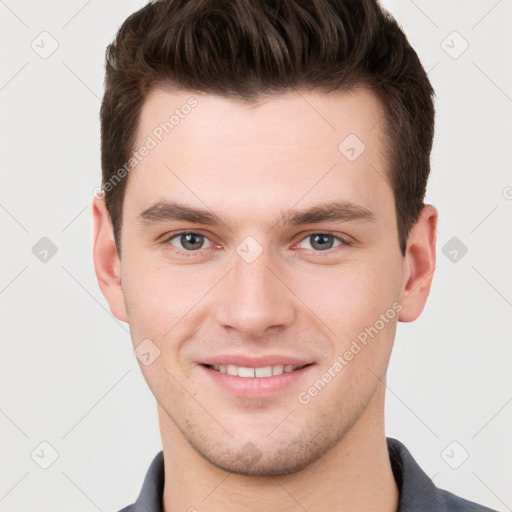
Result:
pixel 165 302
pixel 351 303
pixel 353 296
pixel 155 300
pixel 361 307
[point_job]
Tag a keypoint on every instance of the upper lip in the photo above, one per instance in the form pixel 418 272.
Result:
pixel 255 361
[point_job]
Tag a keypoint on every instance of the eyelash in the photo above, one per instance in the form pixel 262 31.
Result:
pixel 189 254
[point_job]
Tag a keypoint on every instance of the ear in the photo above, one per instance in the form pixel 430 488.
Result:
pixel 106 261
pixel 419 264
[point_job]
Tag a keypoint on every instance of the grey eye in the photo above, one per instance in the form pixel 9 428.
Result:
pixel 322 241
pixel 190 241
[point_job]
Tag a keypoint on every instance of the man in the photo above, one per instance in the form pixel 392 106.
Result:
pixel 262 231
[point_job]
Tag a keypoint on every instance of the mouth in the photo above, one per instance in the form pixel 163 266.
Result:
pixel 261 372
pixel 256 382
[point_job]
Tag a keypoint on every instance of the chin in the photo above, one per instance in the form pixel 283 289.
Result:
pixel 274 459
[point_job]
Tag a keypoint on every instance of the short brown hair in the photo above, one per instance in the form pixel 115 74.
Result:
pixel 245 49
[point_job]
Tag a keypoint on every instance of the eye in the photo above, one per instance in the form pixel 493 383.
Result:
pixel 189 241
pixel 323 241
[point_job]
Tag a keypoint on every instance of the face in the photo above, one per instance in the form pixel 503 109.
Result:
pixel 257 313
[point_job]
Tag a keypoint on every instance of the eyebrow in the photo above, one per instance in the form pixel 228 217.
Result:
pixel 332 211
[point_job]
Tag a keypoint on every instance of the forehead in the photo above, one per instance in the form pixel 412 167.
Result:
pixel 284 149
pixel 308 116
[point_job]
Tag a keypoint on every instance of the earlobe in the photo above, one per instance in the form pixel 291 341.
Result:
pixel 419 264
pixel 106 260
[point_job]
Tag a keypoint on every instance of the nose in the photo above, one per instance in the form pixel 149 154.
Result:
pixel 255 298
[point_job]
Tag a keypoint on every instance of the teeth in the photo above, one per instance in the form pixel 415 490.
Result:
pixel 246 372
pixel 265 371
pixel 232 369
pixel 277 369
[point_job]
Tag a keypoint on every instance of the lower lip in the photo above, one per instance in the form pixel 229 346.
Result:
pixel 255 387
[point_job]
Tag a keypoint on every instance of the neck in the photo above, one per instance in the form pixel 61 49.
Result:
pixel 353 476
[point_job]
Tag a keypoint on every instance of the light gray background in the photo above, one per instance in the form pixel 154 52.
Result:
pixel 68 374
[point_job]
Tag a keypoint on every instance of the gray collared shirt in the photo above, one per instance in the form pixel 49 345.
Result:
pixel 417 491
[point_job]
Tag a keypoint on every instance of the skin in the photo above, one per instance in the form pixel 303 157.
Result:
pixel 248 164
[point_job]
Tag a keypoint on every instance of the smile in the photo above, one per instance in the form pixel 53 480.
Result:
pixel 246 372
